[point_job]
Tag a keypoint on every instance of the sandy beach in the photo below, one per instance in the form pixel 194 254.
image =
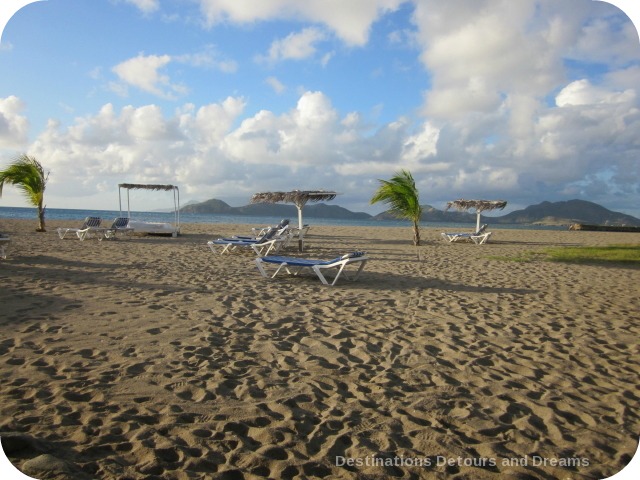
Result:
pixel 151 357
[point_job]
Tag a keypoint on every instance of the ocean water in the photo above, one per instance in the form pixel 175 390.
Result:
pixel 77 215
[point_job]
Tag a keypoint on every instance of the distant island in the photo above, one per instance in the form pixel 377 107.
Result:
pixel 546 213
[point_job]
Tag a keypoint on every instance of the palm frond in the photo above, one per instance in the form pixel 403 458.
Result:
pixel 401 195
pixel 27 174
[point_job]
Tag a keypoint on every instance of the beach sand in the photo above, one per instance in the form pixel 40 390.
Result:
pixel 151 357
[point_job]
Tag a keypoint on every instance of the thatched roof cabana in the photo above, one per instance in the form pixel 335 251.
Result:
pixel 478 205
pixel 156 188
pixel 142 186
pixel 298 197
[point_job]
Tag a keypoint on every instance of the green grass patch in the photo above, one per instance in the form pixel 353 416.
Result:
pixel 624 254
pixel 628 254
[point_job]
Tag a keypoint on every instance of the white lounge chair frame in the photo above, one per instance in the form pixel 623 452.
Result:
pixel 89 232
pixel 119 225
pixel 260 249
pixel 4 243
pixel 293 265
pixel 269 243
pixel 280 230
pixel 260 231
pixel 479 237
pixel 89 222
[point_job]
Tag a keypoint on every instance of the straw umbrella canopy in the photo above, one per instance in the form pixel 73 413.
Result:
pixel 478 205
pixel 298 197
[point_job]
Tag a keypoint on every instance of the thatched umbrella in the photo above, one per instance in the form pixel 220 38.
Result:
pixel 299 198
pixel 478 205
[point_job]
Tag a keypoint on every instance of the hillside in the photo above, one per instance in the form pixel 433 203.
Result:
pixel 432 214
pixel 545 213
pixel 565 213
pixel 319 210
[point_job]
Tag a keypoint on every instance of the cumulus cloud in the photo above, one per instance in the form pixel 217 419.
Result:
pixel 14 125
pixel 582 92
pixel 147 72
pixel 276 84
pixel 295 46
pixel 503 113
pixel 208 58
pixel 212 150
pixel 351 21
pixel 144 72
pixel 145 6
pixel 496 68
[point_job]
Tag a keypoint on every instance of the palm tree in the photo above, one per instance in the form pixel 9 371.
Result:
pixel 401 194
pixel 28 175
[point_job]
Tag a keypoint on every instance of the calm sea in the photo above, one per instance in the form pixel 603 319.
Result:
pixel 77 215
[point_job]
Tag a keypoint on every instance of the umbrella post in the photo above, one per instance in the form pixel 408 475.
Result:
pixel 299 198
pixel 300 229
pixel 478 222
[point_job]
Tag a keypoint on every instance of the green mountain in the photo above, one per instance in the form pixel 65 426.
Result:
pixel 318 210
pixel 565 213
pixel 208 206
pixel 432 214
pixel 545 213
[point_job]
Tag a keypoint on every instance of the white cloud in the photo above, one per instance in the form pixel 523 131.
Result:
pixel 350 20
pixel 145 6
pixel 208 58
pixel 480 52
pixel 14 126
pixel 419 147
pixel 607 40
pixel 582 92
pixel 276 84
pixel 489 124
pixel 295 46
pixel 143 72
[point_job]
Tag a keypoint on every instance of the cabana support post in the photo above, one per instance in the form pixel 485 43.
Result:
pixel 139 186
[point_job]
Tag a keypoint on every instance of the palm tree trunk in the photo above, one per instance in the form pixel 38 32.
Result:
pixel 41 211
pixel 416 234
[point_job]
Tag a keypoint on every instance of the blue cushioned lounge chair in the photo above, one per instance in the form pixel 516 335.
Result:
pixel 266 244
pixel 293 265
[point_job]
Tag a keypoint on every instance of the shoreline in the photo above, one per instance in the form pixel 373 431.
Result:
pixel 77 215
pixel 151 356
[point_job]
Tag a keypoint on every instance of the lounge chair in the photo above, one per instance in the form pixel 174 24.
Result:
pixel 260 231
pixel 280 229
pixel 89 222
pixel 300 232
pixel 478 237
pixel 119 225
pixel 266 244
pixel 4 243
pixel 297 264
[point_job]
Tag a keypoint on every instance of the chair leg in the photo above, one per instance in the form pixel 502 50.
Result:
pixel 316 269
pixel 261 269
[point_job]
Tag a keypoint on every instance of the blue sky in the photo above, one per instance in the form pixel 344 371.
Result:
pixel 522 100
